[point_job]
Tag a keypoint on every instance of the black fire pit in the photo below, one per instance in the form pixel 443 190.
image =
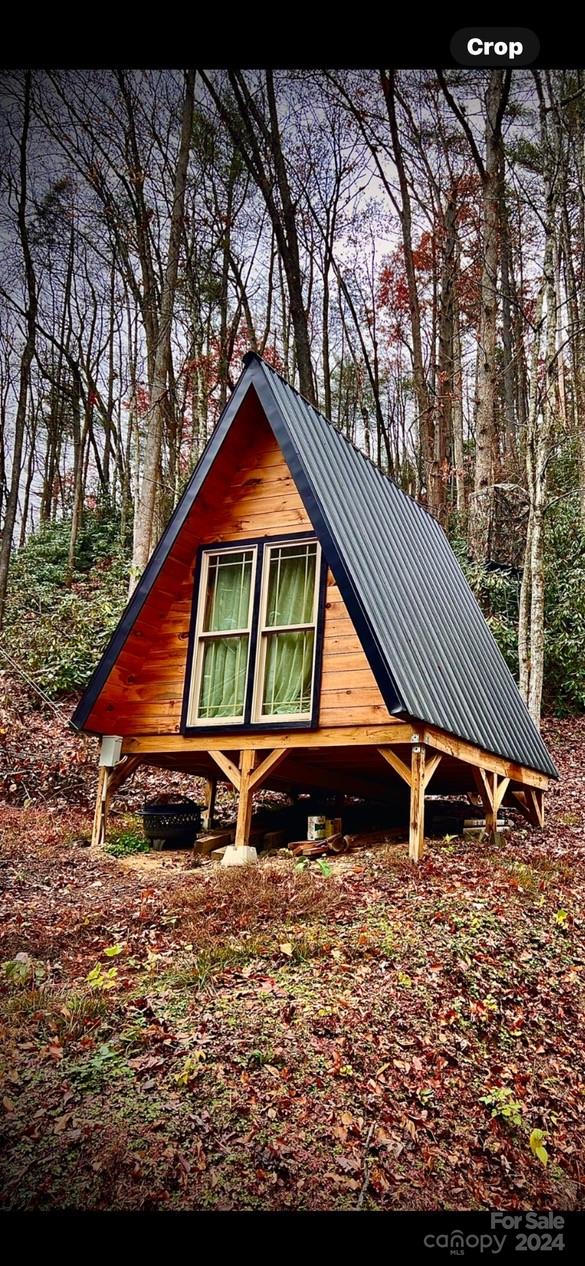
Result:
pixel 175 821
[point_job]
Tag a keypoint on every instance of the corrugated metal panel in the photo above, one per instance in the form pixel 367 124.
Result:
pixel 402 577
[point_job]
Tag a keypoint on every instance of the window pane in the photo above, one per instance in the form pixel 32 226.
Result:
pixel 223 677
pixel 291 584
pixel 288 673
pixel 227 600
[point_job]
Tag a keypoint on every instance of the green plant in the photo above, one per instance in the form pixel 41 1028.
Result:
pixel 94 1073
pixel 23 970
pixel 125 843
pixel 537 1141
pixel 503 1104
pixel 57 620
pixel 99 979
pixel 191 1068
pixel 498 592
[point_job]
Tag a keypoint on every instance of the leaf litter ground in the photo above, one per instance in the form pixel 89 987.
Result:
pixel 381 1037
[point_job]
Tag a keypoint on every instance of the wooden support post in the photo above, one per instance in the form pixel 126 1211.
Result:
pixel 431 767
pixel 247 762
pixel 485 781
pixel 123 770
pixel 270 762
pixel 537 797
pixel 396 763
pixel 210 794
pixel 240 853
pixel 110 779
pixel 530 801
pixel 416 837
pixel 100 817
pixel 492 789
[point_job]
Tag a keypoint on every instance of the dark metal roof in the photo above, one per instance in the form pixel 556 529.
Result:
pixel 426 639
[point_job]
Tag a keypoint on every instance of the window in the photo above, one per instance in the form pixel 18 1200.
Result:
pixel 223 636
pixel 286 634
pixel 255 644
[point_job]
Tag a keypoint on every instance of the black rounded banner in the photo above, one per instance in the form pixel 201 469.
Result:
pixel 494 46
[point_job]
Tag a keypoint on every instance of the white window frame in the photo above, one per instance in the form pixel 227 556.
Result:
pixel 264 631
pixel 202 637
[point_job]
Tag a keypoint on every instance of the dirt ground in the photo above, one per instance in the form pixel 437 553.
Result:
pixel 366 1035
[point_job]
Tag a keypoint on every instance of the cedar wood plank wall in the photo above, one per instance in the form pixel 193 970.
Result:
pixel 248 493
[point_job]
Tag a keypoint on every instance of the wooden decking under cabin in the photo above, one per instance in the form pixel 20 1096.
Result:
pixel 397 763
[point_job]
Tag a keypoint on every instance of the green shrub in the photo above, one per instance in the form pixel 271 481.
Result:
pixel 58 624
pixel 498 594
pixel 124 843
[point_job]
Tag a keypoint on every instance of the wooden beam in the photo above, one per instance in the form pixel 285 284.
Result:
pixel 244 818
pixel 270 762
pixel 109 782
pixel 537 799
pixel 416 835
pixel 485 782
pixel 397 764
pixel 492 790
pixel 102 804
pixel 530 801
pixel 227 767
pixel 333 736
pixel 501 790
pixel 96 832
pixel 431 767
pixel 210 794
pixel 472 755
pixel 123 770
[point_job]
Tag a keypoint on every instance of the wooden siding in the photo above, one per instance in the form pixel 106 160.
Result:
pixel 249 493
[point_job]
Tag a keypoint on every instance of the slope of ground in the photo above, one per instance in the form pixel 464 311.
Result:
pixel 380 1036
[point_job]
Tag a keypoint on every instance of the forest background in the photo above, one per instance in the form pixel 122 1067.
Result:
pixel 406 247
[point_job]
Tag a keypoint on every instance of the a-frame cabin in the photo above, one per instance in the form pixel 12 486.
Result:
pixel 304 625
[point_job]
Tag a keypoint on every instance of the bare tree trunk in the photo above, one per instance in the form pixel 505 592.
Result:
pixel 486 453
pixel 30 471
pixel 144 518
pixel 541 424
pixel 444 430
pixel 458 456
pixel 508 374
pixel 27 356
pixel 425 415
pixel 259 142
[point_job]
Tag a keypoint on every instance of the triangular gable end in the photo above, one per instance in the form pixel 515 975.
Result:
pixel 245 491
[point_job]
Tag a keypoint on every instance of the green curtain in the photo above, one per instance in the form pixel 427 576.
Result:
pixel 291 585
pixel 223 678
pixel 227 606
pixel 227 600
pixel 288 673
pixel 289 656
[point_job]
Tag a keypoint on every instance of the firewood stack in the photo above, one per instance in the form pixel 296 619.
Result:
pixel 316 848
